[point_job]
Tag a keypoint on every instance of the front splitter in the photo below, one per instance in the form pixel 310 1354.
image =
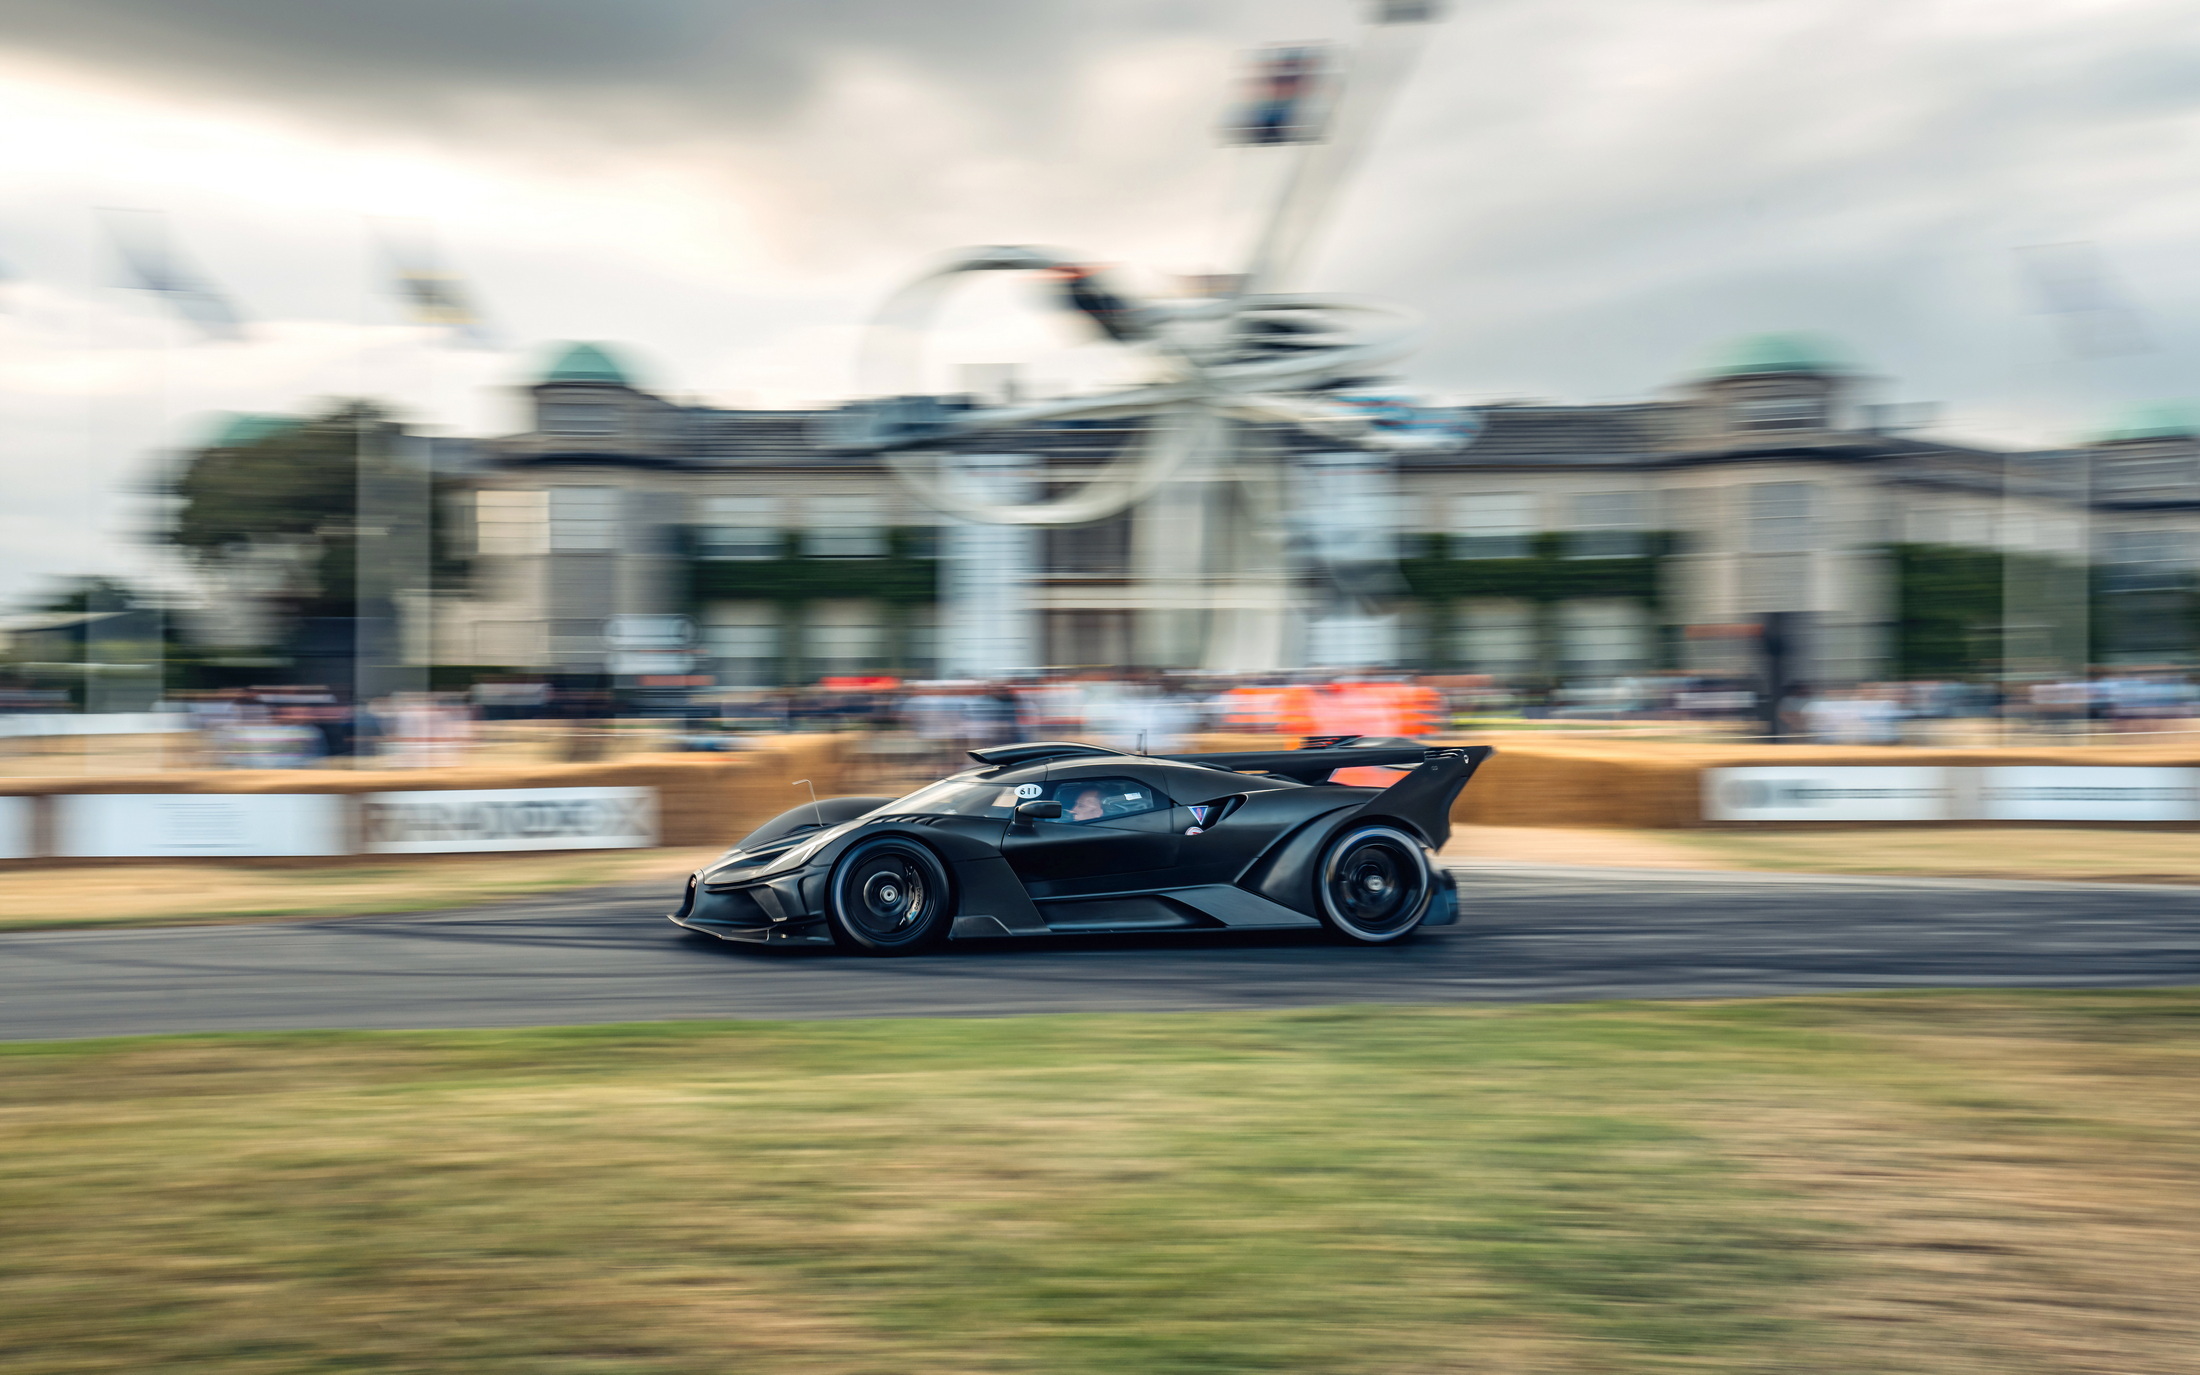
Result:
pixel 812 932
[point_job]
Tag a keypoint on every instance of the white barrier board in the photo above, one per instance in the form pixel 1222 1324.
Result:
pixel 90 825
pixel 1834 793
pixel 30 725
pixel 15 827
pixel 2072 793
pixel 424 823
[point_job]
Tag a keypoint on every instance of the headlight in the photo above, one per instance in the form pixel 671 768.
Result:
pixel 801 854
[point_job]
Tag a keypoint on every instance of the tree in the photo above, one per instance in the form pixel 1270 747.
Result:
pixel 297 485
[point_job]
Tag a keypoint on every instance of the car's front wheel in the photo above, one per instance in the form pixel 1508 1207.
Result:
pixel 1375 884
pixel 888 897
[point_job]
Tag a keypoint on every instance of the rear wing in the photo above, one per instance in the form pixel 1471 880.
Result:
pixel 1307 765
pixel 1314 765
pixel 1423 797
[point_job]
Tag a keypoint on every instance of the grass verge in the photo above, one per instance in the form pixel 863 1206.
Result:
pixel 1946 1183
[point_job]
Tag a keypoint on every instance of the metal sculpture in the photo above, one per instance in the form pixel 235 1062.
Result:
pixel 1222 369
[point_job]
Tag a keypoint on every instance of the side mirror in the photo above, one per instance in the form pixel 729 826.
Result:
pixel 1028 812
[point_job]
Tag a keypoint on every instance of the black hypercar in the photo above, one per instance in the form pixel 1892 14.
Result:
pixel 1056 838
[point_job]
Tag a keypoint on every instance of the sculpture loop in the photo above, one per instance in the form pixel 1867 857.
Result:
pixel 1260 359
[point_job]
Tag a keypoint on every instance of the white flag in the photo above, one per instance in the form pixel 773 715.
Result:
pixel 430 294
pixel 149 256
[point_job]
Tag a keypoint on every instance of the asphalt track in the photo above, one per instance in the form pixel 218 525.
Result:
pixel 607 955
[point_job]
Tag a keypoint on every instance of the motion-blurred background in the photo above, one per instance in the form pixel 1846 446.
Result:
pixel 408 381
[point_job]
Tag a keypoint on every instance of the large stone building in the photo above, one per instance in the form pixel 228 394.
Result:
pixel 1557 543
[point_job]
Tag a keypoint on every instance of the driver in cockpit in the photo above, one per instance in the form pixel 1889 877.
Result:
pixel 1088 807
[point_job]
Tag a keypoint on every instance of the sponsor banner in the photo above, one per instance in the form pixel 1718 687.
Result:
pixel 2072 793
pixel 420 823
pixel 90 825
pixel 15 827
pixel 1802 793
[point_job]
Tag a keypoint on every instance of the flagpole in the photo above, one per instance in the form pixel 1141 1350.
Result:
pixel 150 258
pixel 362 683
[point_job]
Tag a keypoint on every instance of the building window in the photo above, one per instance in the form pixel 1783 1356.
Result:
pixel 511 523
pixel 2143 546
pixel 1780 413
pixel 843 528
pixel 579 417
pixel 584 520
pixel 1607 525
pixel 2149 474
pixel 1602 639
pixel 844 637
pixel 1783 517
pixel 742 642
pixel 739 528
pixel 920 641
pixel 1347 508
pixel 1099 550
pixel 1498 637
pixel 2145 560
pixel 1497 525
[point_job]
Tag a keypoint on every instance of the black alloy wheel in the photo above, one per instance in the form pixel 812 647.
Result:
pixel 1375 884
pixel 888 897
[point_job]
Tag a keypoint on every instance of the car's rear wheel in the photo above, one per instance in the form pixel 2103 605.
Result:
pixel 1375 884
pixel 888 897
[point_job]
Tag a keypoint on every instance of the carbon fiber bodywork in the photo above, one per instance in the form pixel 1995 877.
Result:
pixel 1227 842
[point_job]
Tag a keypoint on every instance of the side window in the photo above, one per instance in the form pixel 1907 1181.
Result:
pixel 1104 799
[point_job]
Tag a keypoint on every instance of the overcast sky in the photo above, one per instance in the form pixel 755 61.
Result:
pixel 1584 196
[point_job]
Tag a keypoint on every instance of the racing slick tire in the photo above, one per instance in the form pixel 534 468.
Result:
pixel 888 897
pixel 1374 885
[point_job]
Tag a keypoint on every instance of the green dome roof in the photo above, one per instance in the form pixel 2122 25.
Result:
pixel 1777 353
pixel 586 363
pixel 235 429
pixel 2161 420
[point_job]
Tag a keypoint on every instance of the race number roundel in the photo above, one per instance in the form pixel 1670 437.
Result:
pixel 1028 791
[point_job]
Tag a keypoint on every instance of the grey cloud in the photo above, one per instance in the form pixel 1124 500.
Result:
pixel 1870 182
pixel 423 61
pixel 1832 173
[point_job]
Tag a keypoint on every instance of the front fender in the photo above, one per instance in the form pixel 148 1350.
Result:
pixel 970 846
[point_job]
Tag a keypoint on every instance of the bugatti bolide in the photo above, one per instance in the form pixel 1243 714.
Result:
pixel 1056 838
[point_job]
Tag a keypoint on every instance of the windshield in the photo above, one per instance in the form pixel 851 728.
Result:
pixel 959 797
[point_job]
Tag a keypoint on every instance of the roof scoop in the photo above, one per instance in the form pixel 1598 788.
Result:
pixel 1032 751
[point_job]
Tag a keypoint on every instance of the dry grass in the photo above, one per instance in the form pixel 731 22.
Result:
pixel 135 894
pixel 1572 845
pixel 1954 1184
pixel 2073 852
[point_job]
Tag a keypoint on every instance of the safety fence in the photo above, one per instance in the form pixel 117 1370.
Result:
pixel 695 800
pixel 1674 785
pixel 2022 792
pixel 673 800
